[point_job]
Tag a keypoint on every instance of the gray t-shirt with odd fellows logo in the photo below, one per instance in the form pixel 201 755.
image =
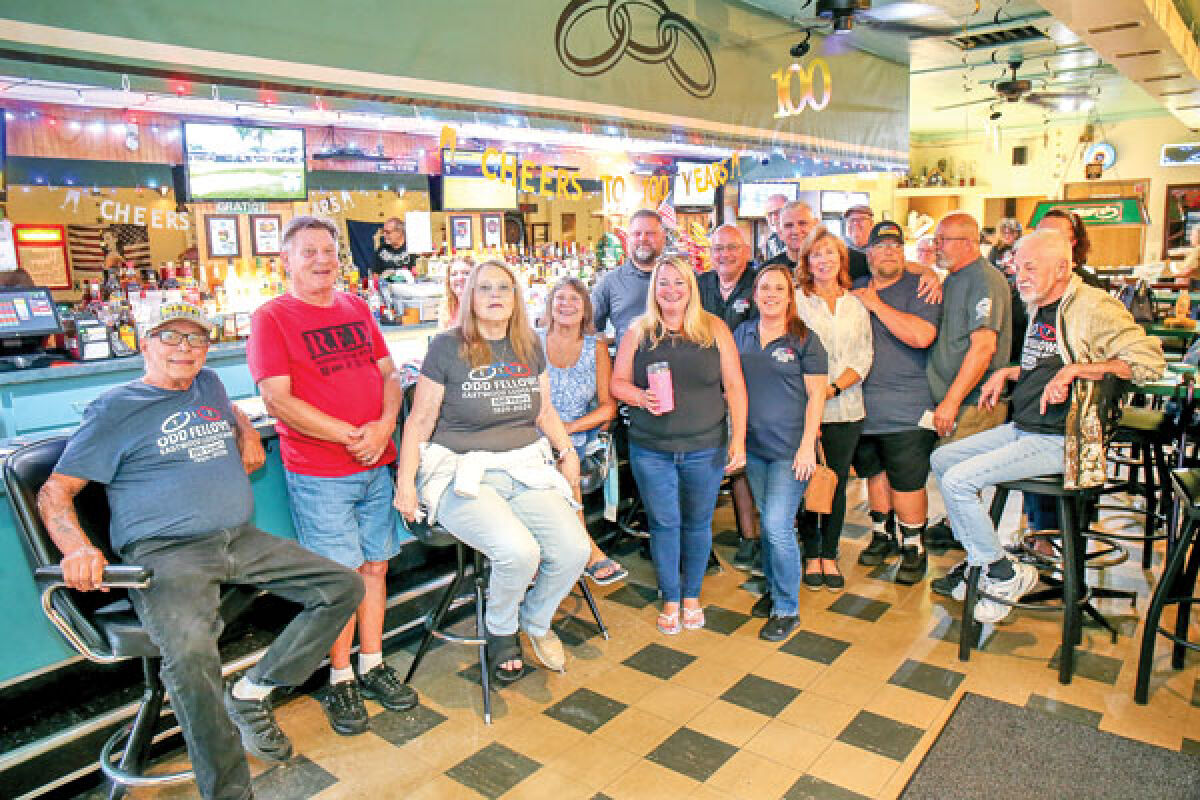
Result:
pixel 168 458
pixel 490 407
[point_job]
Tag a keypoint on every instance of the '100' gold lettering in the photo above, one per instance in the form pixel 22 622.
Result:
pixel 808 77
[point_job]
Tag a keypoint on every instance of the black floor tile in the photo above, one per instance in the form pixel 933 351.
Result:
pixel 995 640
pixel 1058 708
pixel 574 631
pixel 659 661
pixel 493 770
pixel 854 531
pixel 633 595
pixel 812 788
pixel 585 710
pixel 1092 666
pixel 859 607
pixel 881 735
pixel 693 754
pixel 401 727
pixel 722 620
pixel 815 647
pixel 295 780
pixel 1190 747
pixel 927 679
pixel 761 695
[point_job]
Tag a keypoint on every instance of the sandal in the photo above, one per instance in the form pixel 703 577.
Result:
pixel 615 572
pixel 549 650
pixel 502 648
pixel 693 618
pixel 668 623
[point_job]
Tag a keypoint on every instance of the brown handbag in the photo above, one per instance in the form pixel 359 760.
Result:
pixel 818 495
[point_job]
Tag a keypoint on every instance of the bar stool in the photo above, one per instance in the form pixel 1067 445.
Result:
pixel 1176 585
pixel 1074 591
pixel 1148 431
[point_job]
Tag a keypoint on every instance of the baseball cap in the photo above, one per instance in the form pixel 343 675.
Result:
pixel 169 312
pixel 886 230
pixel 858 209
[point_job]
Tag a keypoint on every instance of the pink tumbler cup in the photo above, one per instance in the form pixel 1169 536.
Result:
pixel 658 376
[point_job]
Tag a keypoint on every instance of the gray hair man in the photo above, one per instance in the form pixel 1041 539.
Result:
pixel 1077 336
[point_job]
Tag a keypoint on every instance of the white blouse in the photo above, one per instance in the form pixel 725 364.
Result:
pixel 846 336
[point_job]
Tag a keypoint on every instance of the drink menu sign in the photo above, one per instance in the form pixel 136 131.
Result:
pixel 42 252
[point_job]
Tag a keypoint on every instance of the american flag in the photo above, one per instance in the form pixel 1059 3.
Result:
pixel 667 212
pixel 89 246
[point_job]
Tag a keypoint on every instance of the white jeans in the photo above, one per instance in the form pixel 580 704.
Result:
pixel 521 531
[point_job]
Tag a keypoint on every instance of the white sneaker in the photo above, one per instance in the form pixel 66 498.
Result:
pixel 1012 590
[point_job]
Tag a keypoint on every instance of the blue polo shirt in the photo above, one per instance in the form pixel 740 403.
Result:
pixel 774 377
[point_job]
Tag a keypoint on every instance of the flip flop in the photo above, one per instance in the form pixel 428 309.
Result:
pixel 693 619
pixel 668 623
pixel 618 572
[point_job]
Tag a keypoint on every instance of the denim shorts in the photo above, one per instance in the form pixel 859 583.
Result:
pixel 348 519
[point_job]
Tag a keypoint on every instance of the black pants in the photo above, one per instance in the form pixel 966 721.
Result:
pixel 821 533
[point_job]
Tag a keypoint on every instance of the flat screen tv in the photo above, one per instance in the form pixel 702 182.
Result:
pixel 243 162
pixel 752 197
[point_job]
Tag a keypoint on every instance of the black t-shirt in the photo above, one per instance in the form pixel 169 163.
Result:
pixel 388 257
pixel 735 309
pixel 1040 362
pixel 858 266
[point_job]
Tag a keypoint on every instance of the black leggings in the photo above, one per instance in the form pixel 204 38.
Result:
pixel 838 440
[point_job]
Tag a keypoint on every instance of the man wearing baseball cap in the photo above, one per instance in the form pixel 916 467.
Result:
pixel 174 456
pixel 893 451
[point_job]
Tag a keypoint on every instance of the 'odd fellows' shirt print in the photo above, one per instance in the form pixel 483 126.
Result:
pixel 506 386
pixel 339 347
pixel 201 434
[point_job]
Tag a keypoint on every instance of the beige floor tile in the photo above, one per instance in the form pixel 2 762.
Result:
pixel 854 769
pixel 709 676
pixel 728 722
pixel 440 788
pixel 593 762
pixel 546 783
pixel 448 744
pixel 846 685
pixel 907 706
pixel 649 781
pixel 748 776
pixel 788 745
pixel 674 703
pixel 636 731
pixel 624 684
pixel 541 737
pixel 818 714
pixel 789 669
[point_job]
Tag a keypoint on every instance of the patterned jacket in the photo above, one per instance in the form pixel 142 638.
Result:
pixel 1093 327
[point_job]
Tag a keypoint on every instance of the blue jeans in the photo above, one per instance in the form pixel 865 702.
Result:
pixel 181 613
pixel 347 519
pixel 522 531
pixel 778 494
pixel 965 467
pixel 679 491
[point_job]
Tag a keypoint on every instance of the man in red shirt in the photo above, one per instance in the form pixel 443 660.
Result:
pixel 325 373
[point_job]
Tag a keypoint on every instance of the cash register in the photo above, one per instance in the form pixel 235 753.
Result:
pixel 27 317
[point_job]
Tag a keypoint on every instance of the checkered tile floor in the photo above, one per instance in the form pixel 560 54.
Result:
pixel 845 708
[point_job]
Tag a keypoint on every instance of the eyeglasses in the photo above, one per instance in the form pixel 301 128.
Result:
pixel 726 248
pixel 941 240
pixel 887 245
pixel 175 338
pixel 494 288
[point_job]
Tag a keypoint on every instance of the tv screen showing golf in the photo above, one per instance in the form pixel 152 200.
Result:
pixel 244 162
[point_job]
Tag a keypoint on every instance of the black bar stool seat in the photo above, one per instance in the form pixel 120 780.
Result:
pixel 1148 432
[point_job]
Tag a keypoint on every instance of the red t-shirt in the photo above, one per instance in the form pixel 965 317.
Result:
pixel 331 354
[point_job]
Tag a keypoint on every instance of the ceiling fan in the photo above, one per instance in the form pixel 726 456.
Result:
pixel 1013 90
pixel 843 15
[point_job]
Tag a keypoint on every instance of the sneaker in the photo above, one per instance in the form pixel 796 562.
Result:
pixel 344 707
pixel 261 735
pixel 762 606
pixel 953 584
pixel 383 685
pixel 1012 590
pixel 913 563
pixel 882 547
pixel 940 535
pixel 747 553
pixel 778 628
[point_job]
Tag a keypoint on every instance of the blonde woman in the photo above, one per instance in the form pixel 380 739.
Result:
pixel 476 454
pixel 456 279
pixel 681 445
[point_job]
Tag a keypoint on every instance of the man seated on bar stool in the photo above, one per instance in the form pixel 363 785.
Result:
pixel 1076 336
pixel 174 455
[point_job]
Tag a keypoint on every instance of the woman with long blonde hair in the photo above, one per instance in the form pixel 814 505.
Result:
pixel 456 280
pixel 681 444
pixel 476 454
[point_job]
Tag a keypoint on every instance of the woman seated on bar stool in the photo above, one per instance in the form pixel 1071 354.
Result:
pixel 475 456
pixel 679 452
pixel 579 378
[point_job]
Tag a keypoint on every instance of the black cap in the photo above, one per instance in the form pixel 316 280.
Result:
pixel 885 230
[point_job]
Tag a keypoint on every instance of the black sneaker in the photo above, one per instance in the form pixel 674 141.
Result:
pixel 940 535
pixel 953 583
pixel 261 735
pixel 344 707
pixel 762 606
pixel 747 553
pixel 913 564
pixel 778 628
pixel 383 685
pixel 882 547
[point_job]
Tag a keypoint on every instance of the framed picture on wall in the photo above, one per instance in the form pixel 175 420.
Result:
pixel 493 229
pixel 221 233
pixel 266 231
pixel 460 232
